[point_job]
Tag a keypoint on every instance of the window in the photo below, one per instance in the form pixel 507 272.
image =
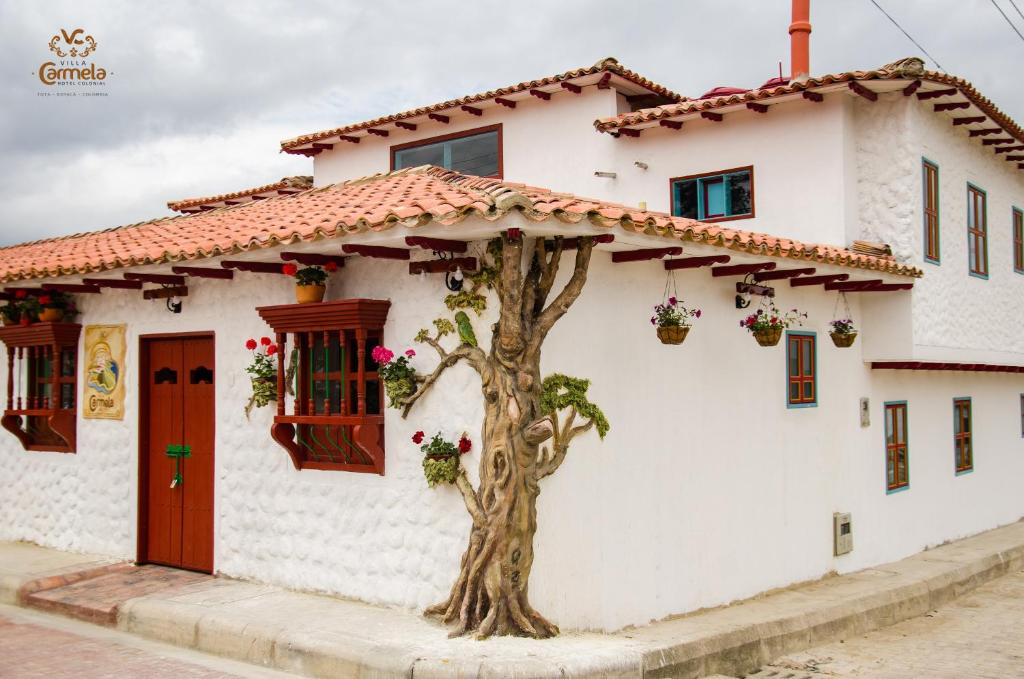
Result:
pixel 335 419
pixel 1022 415
pixel 714 196
pixel 802 386
pixel 963 435
pixel 977 232
pixel 1018 240
pixel 930 173
pixel 42 373
pixel 476 152
pixel 897 469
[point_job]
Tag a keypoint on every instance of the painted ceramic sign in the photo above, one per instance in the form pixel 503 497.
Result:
pixel 104 372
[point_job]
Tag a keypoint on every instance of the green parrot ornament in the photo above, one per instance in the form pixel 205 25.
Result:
pixel 466 333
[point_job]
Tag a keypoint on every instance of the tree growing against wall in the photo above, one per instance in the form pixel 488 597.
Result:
pixel 528 425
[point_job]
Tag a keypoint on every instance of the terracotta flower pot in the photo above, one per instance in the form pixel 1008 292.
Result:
pixel 10 321
pixel 672 334
pixel 309 294
pixel 51 314
pixel 843 340
pixel 769 337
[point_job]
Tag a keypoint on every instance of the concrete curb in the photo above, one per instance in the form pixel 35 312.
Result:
pixel 323 637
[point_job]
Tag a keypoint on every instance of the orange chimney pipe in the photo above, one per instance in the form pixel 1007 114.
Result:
pixel 800 39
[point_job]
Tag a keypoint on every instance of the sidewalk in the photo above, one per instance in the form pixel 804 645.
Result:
pixel 325 637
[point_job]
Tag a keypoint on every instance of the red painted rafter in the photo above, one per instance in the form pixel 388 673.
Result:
pixel 312 258
pixel 405 126
pixel 644 255
pixel 995 142
pixel 964 367
pixel 507 103
pixel 757 108
pixel 160 278
pixel 629 132
pixel 203 272
pixel 72 287
pixel 816 97
pixel 708 115
pixel 540 94
pixel 935 94
pixel 982 133
pixel 849 286
pixel 868 94
pixel 695 262
pixel 817 280
pixel 439 118
pixel 741 269
pixel 604 82
pixel 969 121
pixel 911 88
pixel 375 251
pixel 254 267
pixel 443 265
pixel 574 243
pixel 351 140
pixel 854 286
pixel 164 293
pixel 322 147
pixel 671 124
pixel 436 244
pixel 473 110
pixel 575 89
pixel 1014 159
pixel 952 106
pixel 783 273
pixel 1007 149
pixel 113 283
pixel 379 133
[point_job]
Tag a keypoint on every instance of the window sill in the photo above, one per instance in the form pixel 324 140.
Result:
pixel 961 472
pixel 897 489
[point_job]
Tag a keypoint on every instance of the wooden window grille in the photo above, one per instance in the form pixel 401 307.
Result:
pixel 801 364
pixel 334 419
pixel 977 232
pixel 42 368
pixel 931 211
pixel 963 438
pixel 897 462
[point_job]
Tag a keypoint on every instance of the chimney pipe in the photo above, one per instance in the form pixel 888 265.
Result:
pixel 799 40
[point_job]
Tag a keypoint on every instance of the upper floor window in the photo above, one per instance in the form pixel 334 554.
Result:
pixel 476 152
pixel 727 194
pixel 963 435
pixel 930 173
pixel 977 232
pixel 897 464
pixel 802 369
pixel 1018 240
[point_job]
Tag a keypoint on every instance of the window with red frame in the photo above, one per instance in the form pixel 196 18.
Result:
pixel 1018 240
pixel 977 232
pixel 963 435
pixel 930 173
pixel 802 388
pixel 897 464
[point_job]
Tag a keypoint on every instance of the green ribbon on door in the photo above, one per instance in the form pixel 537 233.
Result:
pixel 178 452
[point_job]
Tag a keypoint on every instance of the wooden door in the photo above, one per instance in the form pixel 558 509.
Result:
pixel 177 423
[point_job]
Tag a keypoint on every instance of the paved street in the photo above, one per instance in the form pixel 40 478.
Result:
pixel 979 636
pixel 34 645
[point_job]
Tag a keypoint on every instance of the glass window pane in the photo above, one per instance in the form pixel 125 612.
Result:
pixel 714 197
pixel 739 193
pixel 67 363
pixel 431 154
pixel 67 396
pixel 685 199
pixel 890 429
pixel 794 392
pixel 476 155
pixel 808 356
pixel 794 357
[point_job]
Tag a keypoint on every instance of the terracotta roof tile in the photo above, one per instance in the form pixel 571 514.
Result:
pixel 910 68
pixel 408 198
pixel 609 65
pixel 298 183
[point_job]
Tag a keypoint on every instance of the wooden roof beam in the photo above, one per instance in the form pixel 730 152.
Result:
pixel 741 269
pixel 969 121
pixel 502 101
pixel 436 244
pixel 952 106
pixel 781 274
pixel 322 147
pixel 996 142
pixel 72 287
pixel 379 133
pixel 312 258
pixel 540 94
pixel 671 124
pixel 714 117
pixel 472 110
pixel 644 255
pixel 868 94
pixel 203 272
pixel 695 262
pixel 113 283
pixel 935 94
pixel 817 280
pixel 629 132
pixel 757 108
pixel 165 293
pixel 439 118
pixel 1007 149
pixel 982 133
pixel 443 265
pixel 405 126
pixel 574 243
pixel 874 285
pixel 816 97
pixel 575 89
pixel 254 267
pixel 911 88
pixel 605 82
pixel 159 278
pixel 375 251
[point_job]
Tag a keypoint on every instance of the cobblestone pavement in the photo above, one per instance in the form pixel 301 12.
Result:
pixel 978 636
pixel 35 645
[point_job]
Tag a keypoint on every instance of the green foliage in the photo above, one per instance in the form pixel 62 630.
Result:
pixel 310 275
pixel 263 391
pixel 466 333
pixel 397 389
pixel 559 392
pixel 440 470
pixel 466 299
pixel 11 311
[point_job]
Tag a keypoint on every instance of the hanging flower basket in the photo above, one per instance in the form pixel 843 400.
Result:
pixel 264 389
pixel 768 337
pixel 441 457
pixel 843 340
pixel 398 375
pixel 673 334
pixel 263 372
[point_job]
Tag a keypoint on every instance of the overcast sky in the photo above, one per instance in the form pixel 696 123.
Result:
pixel 202 92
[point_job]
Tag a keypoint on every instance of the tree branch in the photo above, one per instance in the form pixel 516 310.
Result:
pixel 470 498
pixel 547 318
pixel 472 355
pixel 548 272
pixel 564 435
pixel 510 324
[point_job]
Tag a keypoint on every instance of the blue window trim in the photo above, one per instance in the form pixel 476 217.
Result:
pixel 938 212
pixel 1014 211
pixel 971 403
pixel 675 182
pixel 988 266
pixel 814 367
pixel 885 441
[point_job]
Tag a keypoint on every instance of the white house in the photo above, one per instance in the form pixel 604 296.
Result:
pixel 728 468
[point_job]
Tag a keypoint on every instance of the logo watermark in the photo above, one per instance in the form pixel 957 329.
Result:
pixel 72 74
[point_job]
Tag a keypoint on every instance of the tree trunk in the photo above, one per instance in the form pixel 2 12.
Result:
pixel 490 594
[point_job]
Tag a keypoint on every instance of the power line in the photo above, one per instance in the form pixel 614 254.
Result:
pixel 1017 8
pixel 916 43
pixel 994 4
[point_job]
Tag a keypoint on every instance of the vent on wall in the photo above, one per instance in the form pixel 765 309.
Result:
pixel 842 529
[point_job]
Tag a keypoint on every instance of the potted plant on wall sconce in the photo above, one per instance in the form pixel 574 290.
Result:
pixel 11 313
pixel 55 307
pixel 767 324
pixel 263 370
pixel 672 320
pixel 441 457
pixel 398 376
pixel 29 308
pixel 309 281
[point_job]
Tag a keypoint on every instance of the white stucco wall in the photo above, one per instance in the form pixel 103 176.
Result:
pixel 956 316
pixel 706 490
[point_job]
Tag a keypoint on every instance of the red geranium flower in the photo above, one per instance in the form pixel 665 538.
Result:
pixel 331 266
pixel 20 294
pixel 417 438
pixel 289 269
pixel 271 350
pixel 465 445
pixel 265 341
pixel 44 299
pixel 24 320
pixel 250 345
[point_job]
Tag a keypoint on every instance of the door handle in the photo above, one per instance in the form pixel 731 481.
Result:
pixel 178 452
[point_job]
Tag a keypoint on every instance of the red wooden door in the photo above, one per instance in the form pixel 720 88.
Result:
pixel 178 418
